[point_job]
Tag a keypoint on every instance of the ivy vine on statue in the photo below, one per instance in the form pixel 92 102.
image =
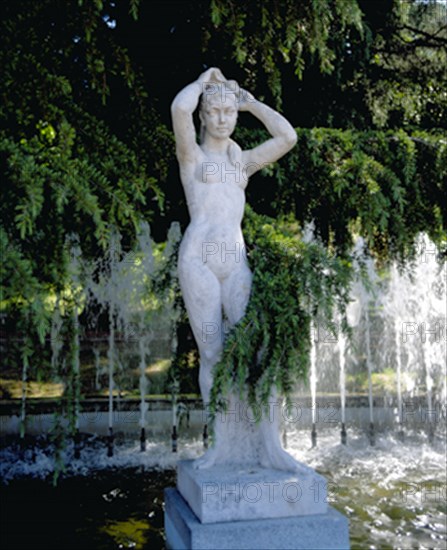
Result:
pixel 214 274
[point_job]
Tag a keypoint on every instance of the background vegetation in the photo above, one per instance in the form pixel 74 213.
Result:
pixel 86 144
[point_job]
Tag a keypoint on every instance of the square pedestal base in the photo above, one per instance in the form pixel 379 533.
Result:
pixel 184 531
pixel 250 493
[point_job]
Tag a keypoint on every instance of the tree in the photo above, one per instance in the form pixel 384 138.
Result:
pixel 353 64
pixel 64 170
pixel 405 85
pixel 86 146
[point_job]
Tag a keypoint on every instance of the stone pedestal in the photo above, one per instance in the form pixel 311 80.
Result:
pixel 251 508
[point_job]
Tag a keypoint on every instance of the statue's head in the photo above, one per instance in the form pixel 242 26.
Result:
pixel 219 109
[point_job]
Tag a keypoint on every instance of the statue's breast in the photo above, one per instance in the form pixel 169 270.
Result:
pixel 221 171
pixel 215 202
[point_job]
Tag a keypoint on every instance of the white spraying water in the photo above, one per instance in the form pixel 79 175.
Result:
pixel 55 338
pixel 369 366
pixel 313 372
pixel 98 369
pixel 25 366
pixel 365 296
pixel 353 314
pixel 413 307
pixel 342 361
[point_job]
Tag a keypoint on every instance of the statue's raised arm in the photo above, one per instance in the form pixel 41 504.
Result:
pixel 283 134
pixel 182 108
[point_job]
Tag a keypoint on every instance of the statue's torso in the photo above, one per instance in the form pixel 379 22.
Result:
pixel 215 195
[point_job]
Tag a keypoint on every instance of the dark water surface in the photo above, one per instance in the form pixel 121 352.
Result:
pixel 112 509
pixel 394 494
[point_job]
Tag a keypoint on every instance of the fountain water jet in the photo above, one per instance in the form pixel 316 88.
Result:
pixel 25 365
pixel 111 362
pixel 399 379
pixel 313 383
pixel 365 297
pixel 98 369
pixel 77 381
pixel 143 391
pixel 174 417
pixel 414 307
pixel 353 313
pixel 370 392
pixel 342 359
pixel 111 356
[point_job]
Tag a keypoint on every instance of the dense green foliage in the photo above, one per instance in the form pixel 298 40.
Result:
pixel 266 35
pixel 405 83
pixel 86 148
pixel 64 170
pixel 351 63
pixel 385 186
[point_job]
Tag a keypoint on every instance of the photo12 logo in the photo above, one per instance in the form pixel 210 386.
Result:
pixel 435 332
pixel 221 90
pixel 269 491
pixel 236 252
pixel 427 491
pixel 226 172
pixel 428 252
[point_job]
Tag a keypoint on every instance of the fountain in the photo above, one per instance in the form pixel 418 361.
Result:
pixel 174 393
pixel 313 384
pixel 77 374
pixel 98 369
pixel 399 500
pixel 342 361
pixel 353 313
pixel 413 305
pixel 369 365
pixel 144 352
pixel 365 296
pixel 432 326
pixel 394 306
pixel 398 378
pixel 111 351
pixel 78 297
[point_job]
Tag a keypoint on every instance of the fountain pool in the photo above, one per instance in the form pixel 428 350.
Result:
pixel 393 493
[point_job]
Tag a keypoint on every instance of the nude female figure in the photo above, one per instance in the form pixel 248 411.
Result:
pixel 213 271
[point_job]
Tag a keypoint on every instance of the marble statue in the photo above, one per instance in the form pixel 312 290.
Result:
pixel 214 274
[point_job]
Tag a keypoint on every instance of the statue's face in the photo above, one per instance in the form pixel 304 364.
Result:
pixel 219 117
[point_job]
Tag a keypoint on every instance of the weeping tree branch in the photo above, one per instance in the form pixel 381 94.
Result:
pixel 439 41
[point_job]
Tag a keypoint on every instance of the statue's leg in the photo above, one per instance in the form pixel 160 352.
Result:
pixel 202 296
pixel 266 442
pixel 236 292
pixel 228 443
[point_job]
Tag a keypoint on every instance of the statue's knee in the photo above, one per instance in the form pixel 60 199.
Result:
pixel 210 355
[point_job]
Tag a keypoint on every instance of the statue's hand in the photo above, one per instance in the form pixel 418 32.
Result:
pixel 245 100
pixel 213 74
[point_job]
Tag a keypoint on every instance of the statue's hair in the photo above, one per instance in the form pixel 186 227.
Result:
pixel 229 87
pixel 202 132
